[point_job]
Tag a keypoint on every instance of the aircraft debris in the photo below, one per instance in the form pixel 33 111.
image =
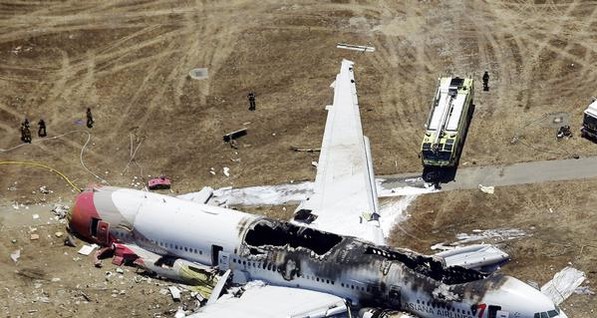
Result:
pixel 15 255
pixel 161 183
pixel 496 235
pixel 60 210
pixel 584 290
pixel 175 292
pixel 297 149
pixel 226 171
pixel 235 134
pixel 199 73
pixel 361 48
pixel 35 216
pixel 34 237
pixel 563 284
pixel 58 234
pixel 180 313
pixel 87 249
pixel 487 189
pixel 119 270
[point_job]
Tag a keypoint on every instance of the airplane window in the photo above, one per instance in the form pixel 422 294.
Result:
pixel 544 315
pixel 536 315
pixel 244 262
pixel 200 252
pixel 185 249
pixel 342 284
pixel 317 279
pixel 274 268
pixel 552 313
pixel 269 266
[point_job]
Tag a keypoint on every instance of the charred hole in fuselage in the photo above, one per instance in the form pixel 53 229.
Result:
pixel 430 267
pixel 281 234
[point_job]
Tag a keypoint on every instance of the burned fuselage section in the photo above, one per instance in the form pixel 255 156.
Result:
pixel 289 255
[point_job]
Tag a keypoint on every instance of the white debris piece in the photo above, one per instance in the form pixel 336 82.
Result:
pixel 487 189
pixel 60 210
pixel 495 235
pixel 180 313
pixel 563 284
pixel 226 171
pixel 15 255
pixel 87 249
pixel 175 292
pixel 35 216
pixel 314 164
pixel 584 290
pixel 360 48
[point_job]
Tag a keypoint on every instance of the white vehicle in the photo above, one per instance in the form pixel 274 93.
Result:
pixel 329 258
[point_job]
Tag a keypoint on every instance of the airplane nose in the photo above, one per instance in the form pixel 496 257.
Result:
pixel 516 296
pixel 82 214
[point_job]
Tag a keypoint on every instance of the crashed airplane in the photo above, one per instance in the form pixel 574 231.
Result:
pixel 329 259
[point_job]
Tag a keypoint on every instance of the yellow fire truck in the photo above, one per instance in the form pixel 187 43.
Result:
pixel 448 122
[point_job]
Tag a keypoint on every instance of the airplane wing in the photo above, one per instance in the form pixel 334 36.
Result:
pixel 344 199
pixel 261 301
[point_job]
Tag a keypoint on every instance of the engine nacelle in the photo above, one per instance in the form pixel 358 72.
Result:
pixel 180 270
pixel 370 312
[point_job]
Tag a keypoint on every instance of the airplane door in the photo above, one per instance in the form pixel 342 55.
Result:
pixel 394 296
pixel 103 231
pixel 492 312
pixel 215 251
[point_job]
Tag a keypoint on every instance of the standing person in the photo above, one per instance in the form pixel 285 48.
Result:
pixel 486 81
pixel 89 118
pixel 25 132
pixel 251 97
pixel 42 128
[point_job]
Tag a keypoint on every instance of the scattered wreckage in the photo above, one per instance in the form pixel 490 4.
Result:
pixel 333 250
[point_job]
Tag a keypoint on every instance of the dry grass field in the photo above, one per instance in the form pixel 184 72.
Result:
pixel 129 61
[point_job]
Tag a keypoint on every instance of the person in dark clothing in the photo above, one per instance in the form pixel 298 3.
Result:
pixel 89 118
pixel 486 81
pixel 42 128
pixel 25 132
pixel 252 105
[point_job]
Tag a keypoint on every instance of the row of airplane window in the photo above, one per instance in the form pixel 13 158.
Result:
pixel 444 306
pixel 165 245
pixel 272 267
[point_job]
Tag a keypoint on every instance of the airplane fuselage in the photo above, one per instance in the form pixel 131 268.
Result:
pixel 284 254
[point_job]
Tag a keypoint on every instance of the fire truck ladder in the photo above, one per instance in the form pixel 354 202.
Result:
pixel 443 119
